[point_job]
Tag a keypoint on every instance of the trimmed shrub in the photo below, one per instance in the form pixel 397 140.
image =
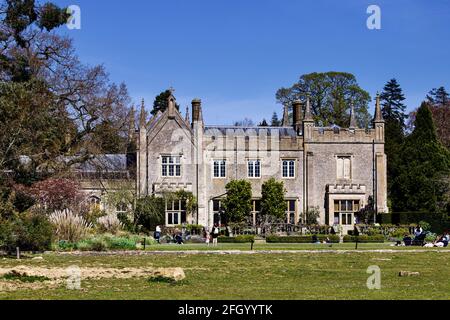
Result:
pixel 302 239
pixel 238 239
pixel 365 239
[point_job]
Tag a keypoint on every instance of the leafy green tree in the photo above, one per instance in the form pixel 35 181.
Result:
pixel 273 202
pixel 422 182
pixel 161 102
pixel 331 94
pixel 393 110
pixel 439 97
pixel 149 213
pixel 237 204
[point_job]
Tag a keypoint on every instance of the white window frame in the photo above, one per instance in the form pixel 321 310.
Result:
pixel 222 169
pixel 290 175
pixel 251 169
pixel 168 161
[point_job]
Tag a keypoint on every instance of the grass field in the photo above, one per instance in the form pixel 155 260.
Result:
pixel 299 275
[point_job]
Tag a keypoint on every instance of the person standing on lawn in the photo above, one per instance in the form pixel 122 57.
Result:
pixel 158 234
pixel 215 235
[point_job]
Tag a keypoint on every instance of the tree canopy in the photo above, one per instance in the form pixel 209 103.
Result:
pixel 273 202
pixel 439 97
pixel 237 203
pixel 422 180
pixel 332 95
pixel 76 111
pixel 161 102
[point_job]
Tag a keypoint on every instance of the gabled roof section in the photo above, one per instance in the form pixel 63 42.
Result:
pixel 157 123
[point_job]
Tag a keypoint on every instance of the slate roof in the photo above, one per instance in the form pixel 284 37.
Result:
pixel 222 130
pixel 106 163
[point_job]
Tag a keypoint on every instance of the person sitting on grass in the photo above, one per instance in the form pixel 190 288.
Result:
pixel 418 232
pixel 442 242
pixel 179 238
pixel 315 239
pixel 407 240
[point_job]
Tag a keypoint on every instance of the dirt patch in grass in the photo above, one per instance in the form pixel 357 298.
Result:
pixel 52 277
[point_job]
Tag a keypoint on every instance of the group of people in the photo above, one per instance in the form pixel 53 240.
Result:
pixel 214 235
pixel 441 241
pixel 178 237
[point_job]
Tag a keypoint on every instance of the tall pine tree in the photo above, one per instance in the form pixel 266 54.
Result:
pixel 422 180
pixel 393 110
pixel 275 120
pixel 439 97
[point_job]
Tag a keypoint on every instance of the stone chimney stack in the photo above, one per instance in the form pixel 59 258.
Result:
pixel 197 115
pixel 297 106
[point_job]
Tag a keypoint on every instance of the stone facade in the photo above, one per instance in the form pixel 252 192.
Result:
pixel 334 170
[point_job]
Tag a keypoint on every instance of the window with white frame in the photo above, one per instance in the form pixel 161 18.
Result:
pixel 254 169
pixel 344 168
pixel 171 166
pixel 220 169
pixel 288 168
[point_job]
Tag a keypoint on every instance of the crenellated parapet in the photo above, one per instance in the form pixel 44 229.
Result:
pixel 346 189
pixel 339 135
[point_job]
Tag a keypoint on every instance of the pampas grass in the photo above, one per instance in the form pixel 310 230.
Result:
pixel 69 226
pixel 110 223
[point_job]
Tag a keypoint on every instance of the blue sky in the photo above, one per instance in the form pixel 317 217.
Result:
pixel 235 54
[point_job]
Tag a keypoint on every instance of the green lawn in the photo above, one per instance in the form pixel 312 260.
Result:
pixel 283 246
pixel 300 275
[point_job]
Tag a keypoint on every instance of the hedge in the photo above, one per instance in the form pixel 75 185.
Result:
pixel 238 239
pixel 365 239
pixel 301 239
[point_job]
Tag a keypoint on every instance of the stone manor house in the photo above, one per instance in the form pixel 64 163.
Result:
pixel 338 171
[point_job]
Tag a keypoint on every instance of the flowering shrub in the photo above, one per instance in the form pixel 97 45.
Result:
pixel 57 194
pixel 69 226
